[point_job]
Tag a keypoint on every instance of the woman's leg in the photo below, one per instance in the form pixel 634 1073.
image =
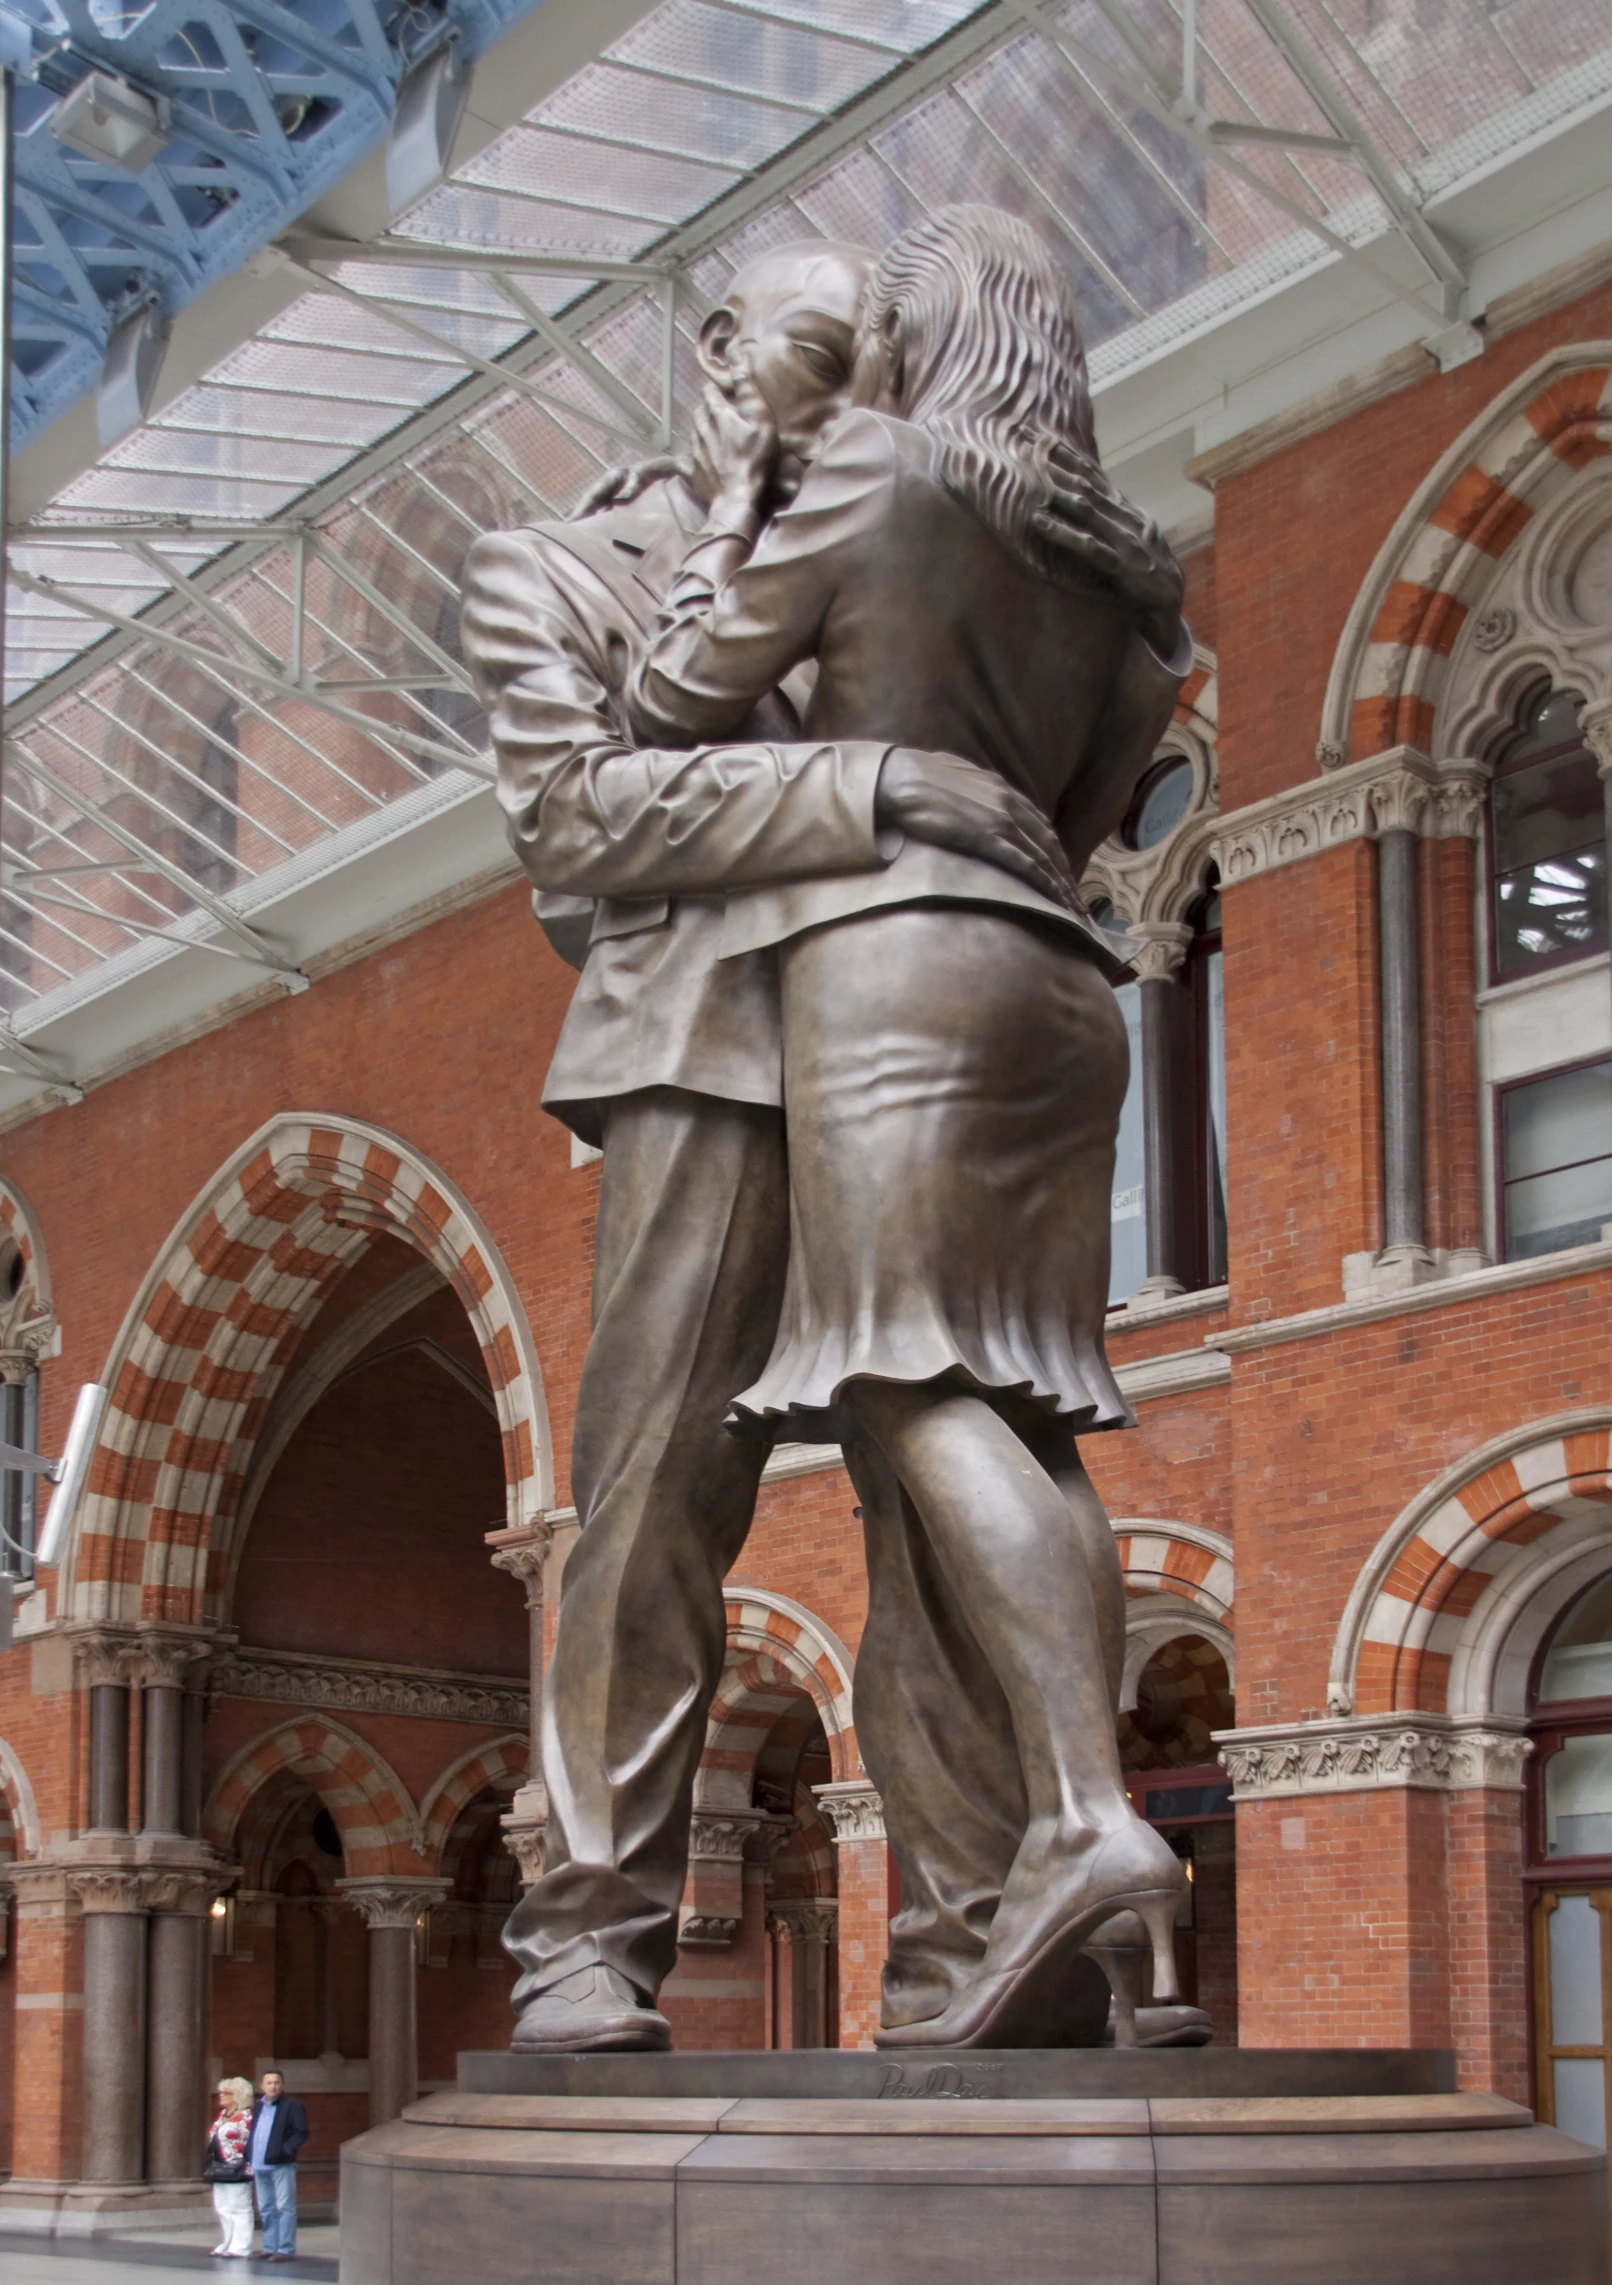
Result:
pixel 1018 1552
pixel 1054 1446
pixel 238 2238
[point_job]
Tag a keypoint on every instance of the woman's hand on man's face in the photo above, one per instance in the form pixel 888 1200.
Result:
pixel 735 449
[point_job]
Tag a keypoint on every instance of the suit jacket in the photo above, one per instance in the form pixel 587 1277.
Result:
pixel 929 630
pixel 632 851
pixel 288 2133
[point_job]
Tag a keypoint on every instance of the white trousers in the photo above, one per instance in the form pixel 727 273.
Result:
pixel 232 2202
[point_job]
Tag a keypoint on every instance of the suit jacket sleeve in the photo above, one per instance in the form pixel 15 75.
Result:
pixel 591 816
pixel 296 2126
pixel 724 641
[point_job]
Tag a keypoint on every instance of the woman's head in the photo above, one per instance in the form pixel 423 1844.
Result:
pixel 968 328
pixel 235 2094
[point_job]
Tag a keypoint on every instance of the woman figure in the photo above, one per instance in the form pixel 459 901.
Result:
pixel 228 2170
pixel 955 1062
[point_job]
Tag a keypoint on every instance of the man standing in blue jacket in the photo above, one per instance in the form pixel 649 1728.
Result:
pixel 279 2130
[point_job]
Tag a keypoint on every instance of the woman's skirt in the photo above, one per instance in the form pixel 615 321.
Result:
pixel 952 1085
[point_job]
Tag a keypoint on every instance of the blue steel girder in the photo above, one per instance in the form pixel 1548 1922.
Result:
pixel 270 103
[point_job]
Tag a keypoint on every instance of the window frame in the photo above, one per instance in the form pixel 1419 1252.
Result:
pixel 1498 770
pixel 1498 1092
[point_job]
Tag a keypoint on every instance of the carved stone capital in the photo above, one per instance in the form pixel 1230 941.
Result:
pixel 101 1890
pixel 161 1660
pixel 1596 723
pixel 1361 1753
pixel 805 1919
pixel 106 1659
pixel 523 1553
pixel 27 1332
pixel 385 1902
pixel 721 1838
pixel 1459 796
pixel 189 1894
pixel 1164 948
pixel 1399 801
pixel 524 1838
pixel 854 1809
pixel 707 1932
pixel 770 1839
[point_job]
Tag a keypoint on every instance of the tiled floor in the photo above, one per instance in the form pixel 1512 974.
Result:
pixel 175 2259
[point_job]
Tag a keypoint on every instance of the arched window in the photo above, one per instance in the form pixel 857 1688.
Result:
pixel 1547 842
pixel 1569 1868
pixel 1168 1214
pixel 1547 900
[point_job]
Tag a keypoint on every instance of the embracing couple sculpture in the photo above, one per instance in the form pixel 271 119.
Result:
pixel 805 748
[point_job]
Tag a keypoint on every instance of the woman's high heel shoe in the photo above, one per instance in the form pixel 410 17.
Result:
pixel 1120 1948
pixel 1008 2006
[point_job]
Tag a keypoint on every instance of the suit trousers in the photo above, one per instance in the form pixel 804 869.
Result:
pixel 690 1258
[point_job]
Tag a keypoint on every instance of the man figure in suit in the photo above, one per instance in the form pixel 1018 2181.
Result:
pixel 279 2130
pixel 670 1061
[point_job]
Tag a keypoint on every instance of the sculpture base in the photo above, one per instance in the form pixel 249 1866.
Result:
pixel 666 2186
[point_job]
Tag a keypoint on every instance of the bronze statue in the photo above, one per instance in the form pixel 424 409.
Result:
pixel 954 1061
pixel 671 1059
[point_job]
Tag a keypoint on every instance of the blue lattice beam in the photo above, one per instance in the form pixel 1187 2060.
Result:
pixel 266 105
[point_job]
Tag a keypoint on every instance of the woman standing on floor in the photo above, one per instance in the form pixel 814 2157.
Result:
pixel 954 1065
pixel 228 2170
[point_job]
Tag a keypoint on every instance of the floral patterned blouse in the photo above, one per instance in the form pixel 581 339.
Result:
pixel 230 2136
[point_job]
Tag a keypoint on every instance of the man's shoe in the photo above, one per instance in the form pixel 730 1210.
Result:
pixel 594 2011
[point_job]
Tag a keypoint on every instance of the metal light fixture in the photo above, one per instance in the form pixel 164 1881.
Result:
pixel 134 354
pixel 105 118
pixel 430 104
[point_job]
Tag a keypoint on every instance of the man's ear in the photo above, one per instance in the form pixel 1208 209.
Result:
pixel 714 348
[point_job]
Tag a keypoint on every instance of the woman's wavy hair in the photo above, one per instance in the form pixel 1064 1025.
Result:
pixel 994 366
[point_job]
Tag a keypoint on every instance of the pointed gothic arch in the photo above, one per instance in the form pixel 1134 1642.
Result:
pixel 373 1810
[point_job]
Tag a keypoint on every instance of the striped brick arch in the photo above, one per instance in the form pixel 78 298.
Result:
pixel 497 1767
pixel 1464 1584
pixel 19 1816
pixel 1179 1559
pixel 19 1226
pixel 372 1808
pixel 219 1320
pixel 776 1650
pixel 1442 555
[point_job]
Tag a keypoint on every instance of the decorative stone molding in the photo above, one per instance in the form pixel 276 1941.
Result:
pixel 352 1685
pixel 1365 1753
pixel 387 1903
pixel 189 1894
pixel 163 1659
pixel 1493 629
pixel 854 1810
pixel 1401 788
pixel 805 1919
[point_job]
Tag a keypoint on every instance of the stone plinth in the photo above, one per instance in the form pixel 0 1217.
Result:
pixel 663 2186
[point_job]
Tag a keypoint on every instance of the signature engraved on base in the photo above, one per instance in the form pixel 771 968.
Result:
pixel 939 2081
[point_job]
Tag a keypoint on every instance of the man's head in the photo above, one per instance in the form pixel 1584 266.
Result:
pixel 271 2086
pixel 789 321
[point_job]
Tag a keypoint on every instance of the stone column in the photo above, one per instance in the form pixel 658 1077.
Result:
pixel 523 1552
pixel 1596 722
pixel 163 1662
pixel 857 1816
pixel 176 2046
pixel 811 1924
pixel 115 1917
pixel 391 1906
pixel 1166 1109
pixel 105 1663
pixel 713 1898
pixel 1397 803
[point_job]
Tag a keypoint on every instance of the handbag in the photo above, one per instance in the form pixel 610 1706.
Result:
pixel 223 2169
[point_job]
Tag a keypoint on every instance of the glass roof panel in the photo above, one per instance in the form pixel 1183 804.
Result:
pixel 644 154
